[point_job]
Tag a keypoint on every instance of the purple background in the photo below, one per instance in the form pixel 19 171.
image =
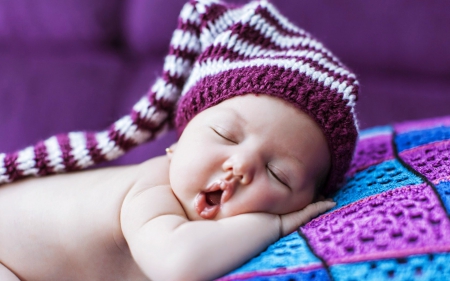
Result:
pixel 82 64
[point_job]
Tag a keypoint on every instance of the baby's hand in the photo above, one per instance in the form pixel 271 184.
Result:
pixel 290 222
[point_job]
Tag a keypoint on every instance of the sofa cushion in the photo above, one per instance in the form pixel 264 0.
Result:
pixel 68 23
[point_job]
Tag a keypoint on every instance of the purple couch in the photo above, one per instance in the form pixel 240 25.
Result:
pixel 82 64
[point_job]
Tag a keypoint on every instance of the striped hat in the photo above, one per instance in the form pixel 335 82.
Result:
pixel 217 51
pixel 254 49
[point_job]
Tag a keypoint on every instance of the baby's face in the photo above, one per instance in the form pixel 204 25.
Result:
pixel 248 154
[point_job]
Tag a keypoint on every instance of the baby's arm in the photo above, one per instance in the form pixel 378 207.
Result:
pixel 167 246
pixel 6 274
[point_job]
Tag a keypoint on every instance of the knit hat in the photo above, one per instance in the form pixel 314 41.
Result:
pixel 254 49
pixel 218 51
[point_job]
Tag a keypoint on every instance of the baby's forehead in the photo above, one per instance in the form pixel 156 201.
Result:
pixel 266 114
pixel 264 108
pixel 227 111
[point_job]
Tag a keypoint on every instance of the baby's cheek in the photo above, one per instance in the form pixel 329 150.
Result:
pixel 293 202
pixel 272 202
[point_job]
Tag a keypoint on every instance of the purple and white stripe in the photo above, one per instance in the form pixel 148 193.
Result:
pixel 207 42
pixel 148 118
pixel 254 49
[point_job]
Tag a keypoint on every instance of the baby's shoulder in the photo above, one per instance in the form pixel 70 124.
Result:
pixel 147 203
pixel 150 196
pixel 153 172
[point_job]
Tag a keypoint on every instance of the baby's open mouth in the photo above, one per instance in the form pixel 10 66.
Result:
pixel 208 202
pixel 214 197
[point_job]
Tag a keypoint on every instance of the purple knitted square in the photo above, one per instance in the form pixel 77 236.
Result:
pixel 399 222
pixel 431 160
pixel 371 151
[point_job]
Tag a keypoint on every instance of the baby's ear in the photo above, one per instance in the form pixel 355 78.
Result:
pixel 171 150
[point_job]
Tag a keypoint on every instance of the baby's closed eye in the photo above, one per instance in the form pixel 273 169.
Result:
pixel 278 175
pixel 224 134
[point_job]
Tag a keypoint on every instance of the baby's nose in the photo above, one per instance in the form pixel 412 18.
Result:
pixel 239 169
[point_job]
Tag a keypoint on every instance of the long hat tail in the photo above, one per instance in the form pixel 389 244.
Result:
pixel 149 117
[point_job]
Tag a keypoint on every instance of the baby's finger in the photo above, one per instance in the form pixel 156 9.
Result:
pixel 313 210
pixel 292 221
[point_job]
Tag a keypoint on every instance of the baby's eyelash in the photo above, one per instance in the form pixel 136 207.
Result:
pixel 224 137
pixel 277 177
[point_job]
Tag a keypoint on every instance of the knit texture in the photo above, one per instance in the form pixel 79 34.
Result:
pixel 151 116
pixel 254 49
pixel 217 51
pixel 391 221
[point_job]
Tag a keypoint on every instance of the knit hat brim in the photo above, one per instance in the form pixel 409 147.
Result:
pixel 325 107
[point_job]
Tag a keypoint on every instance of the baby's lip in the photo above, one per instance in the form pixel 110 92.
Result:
pixel 227 188
pixel 203 206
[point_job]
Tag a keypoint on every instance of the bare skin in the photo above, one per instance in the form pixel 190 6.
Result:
pixel 160 220
pixel 67 227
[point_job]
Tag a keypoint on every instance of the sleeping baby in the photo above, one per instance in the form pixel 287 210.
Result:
pixel 267 126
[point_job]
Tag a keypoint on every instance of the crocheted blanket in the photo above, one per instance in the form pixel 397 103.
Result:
pixel 391 221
